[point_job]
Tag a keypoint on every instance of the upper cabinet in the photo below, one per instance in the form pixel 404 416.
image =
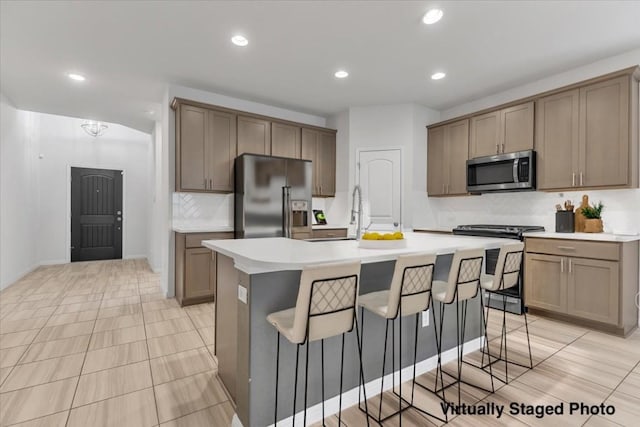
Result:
pixel 208 139
pixel 447 149
pixel 502 131
pixel 205 149
pixel 583 137
pixel 557 139
pixel 320 147
pixel 285 140
pixel 604 133
pixel 254 136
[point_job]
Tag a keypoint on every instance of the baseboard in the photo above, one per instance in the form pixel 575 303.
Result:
pixel 350 398
pixel 55 262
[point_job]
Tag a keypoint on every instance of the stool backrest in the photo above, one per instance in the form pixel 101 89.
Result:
pixel 411 285
pixel 327 301
pixel 508 266
pixel 464 276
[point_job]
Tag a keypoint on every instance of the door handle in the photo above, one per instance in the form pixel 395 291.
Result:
pixel 573 179
pixel 561 265
pixel 567 248
pixel 497 148
pixel 503 147
pixel 581 176
pixel 569 265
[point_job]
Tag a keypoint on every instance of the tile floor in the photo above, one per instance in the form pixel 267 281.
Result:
pixel 97 344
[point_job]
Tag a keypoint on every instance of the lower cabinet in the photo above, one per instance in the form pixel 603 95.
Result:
pixel 597 291
pixel 196 267
pixel 329 233
pixel 546 283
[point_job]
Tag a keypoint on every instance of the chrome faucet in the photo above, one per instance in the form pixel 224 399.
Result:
pixel 356 190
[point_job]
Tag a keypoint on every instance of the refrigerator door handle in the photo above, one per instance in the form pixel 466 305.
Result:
pixel 286 208
pixel 289 215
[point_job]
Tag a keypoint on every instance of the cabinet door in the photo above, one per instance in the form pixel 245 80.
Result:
pixel 436 168
pixel 457 141
pixel 199 273
pixel 327 164
pixel 604 133
pixel 309 151
pixel 221 150
pixel 285 140
pixel 557 140
pixel 254 136
pixel 516 128
pixel 546 282
pixel 485 135
pixel 194 134
pixel 593 287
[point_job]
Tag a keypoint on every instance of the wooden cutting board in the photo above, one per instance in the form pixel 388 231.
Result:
pixel 579 218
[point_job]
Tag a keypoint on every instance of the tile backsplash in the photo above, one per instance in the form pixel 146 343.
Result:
pixel 196 208
pixel 621 212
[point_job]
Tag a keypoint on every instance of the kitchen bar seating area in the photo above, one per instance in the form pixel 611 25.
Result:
pixel 279 295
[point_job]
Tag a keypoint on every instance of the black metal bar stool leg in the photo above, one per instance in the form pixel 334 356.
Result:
pixel 322 375
pixel 275 411
pixel 341 375
pixel 295 385
pixel 364 391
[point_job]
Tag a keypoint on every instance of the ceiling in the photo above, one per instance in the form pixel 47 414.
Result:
pixel 129 51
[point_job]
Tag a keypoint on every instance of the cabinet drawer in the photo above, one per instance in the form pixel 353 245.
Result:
pixel 574 248
pixel 194 240
pixel 327 233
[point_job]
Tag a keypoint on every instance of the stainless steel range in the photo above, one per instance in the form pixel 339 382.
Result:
pixel 515 300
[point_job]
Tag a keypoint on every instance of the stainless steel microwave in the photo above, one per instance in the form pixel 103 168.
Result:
pixel 502 172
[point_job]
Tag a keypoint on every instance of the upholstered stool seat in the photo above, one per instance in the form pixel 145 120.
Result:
pixel 507 275
pixel 326 307
pixel 409 294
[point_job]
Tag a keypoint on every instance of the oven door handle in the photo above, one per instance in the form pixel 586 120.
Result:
pixel 516 162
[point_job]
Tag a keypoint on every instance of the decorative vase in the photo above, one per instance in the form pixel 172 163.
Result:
pixel 593 225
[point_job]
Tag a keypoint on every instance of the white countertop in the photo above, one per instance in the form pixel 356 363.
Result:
pixel 596 237
pixel 200 227
pixel 328 226
pixel 278 254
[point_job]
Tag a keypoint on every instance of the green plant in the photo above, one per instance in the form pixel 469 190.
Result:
pixel 593 211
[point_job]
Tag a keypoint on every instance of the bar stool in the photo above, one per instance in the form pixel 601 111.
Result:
pixel 408 295
pixel 326 307
pixel 463 284
pixel 506 277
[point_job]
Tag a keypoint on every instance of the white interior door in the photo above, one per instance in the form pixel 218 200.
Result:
pixel 380 179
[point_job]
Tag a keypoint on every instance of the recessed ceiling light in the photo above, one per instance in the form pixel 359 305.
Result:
pixel 76 77
pixel 438 76
pixel 341 74
pixel 239 40
pixel 432 16
pixel 150 112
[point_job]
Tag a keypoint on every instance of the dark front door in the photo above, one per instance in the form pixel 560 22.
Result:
pixel 96 214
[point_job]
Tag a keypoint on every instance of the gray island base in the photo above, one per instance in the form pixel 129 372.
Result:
pixel 257 277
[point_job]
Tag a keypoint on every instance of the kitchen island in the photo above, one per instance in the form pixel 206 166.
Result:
pixel 256 277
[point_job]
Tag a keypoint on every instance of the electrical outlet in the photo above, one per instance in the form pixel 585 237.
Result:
pixel 425 318
pixel 242 293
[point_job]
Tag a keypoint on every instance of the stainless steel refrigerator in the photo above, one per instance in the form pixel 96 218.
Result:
pixel 272 197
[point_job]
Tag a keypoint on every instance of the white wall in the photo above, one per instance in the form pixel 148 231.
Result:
pixel 379 127
pixel 63 143
pixel 595 69
pixel 18 187
pixel 212 208
pixel 154 248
